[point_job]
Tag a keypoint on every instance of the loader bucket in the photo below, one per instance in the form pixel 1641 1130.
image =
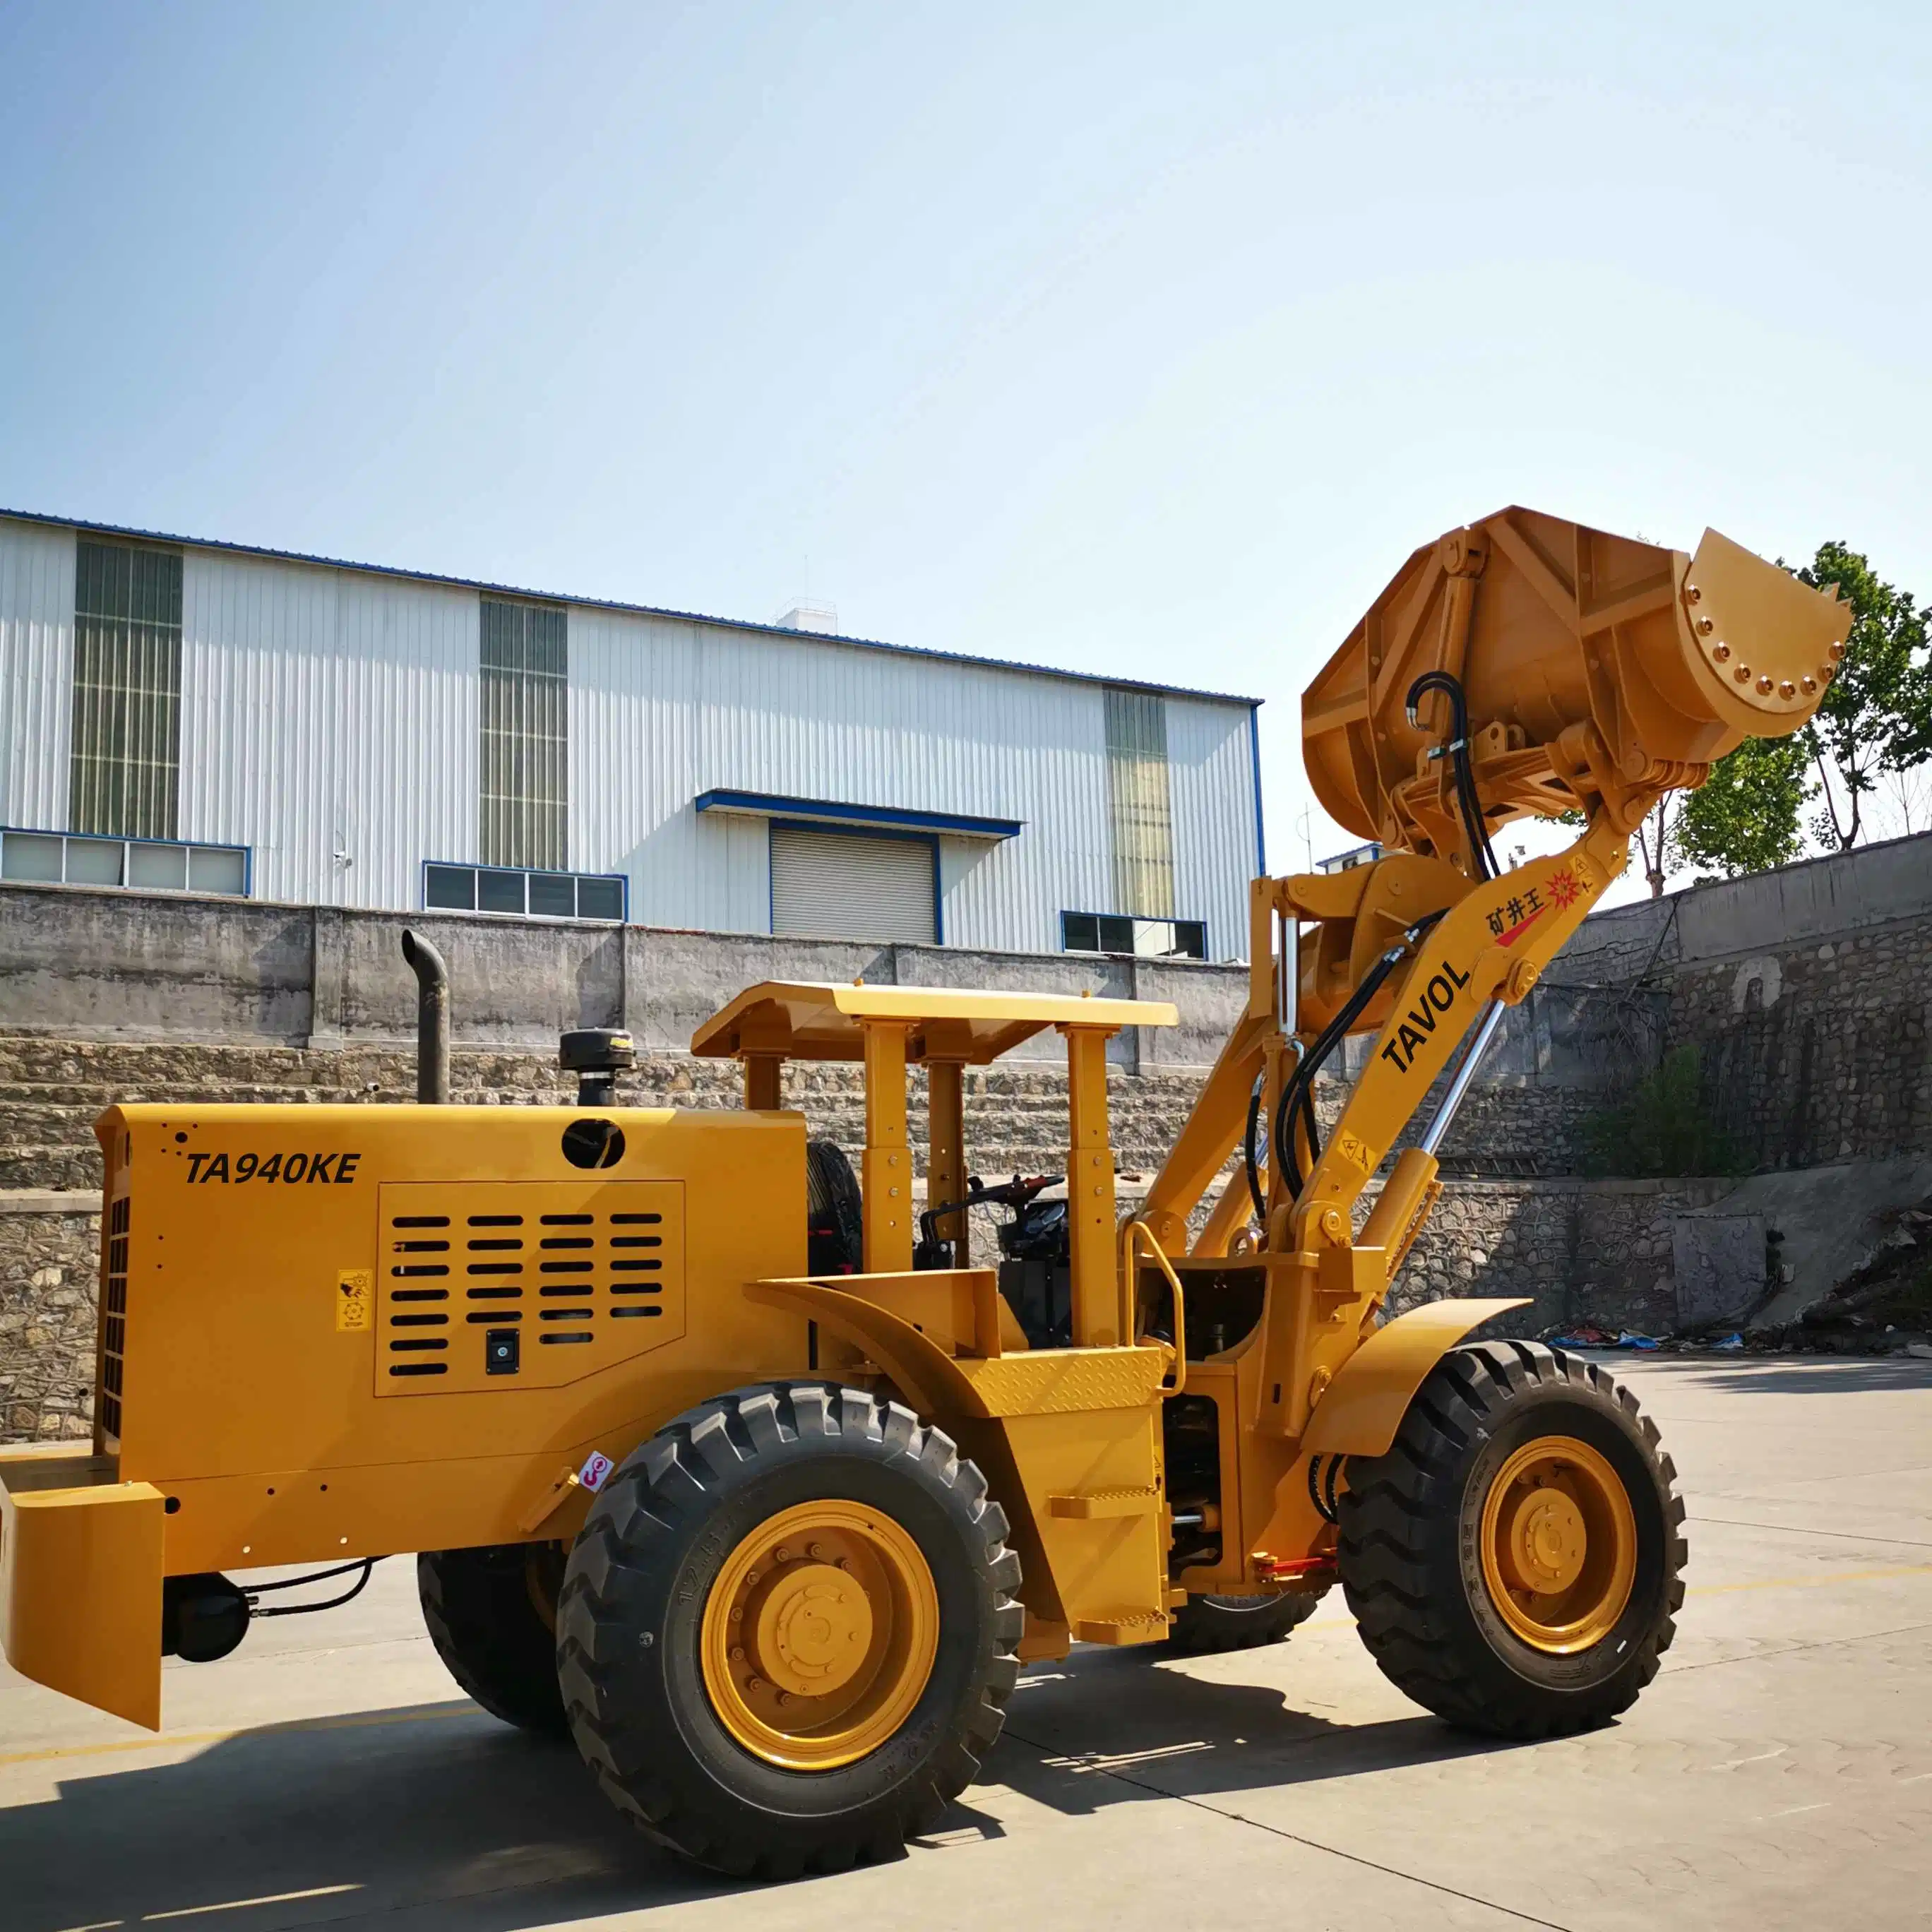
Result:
pixel 1587 659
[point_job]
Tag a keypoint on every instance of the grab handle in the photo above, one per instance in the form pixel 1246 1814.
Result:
pixel 1136 1232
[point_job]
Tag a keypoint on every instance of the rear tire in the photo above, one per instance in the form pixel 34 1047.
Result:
pixel 485 1609
pixel 1516 1467
pixel 1205 1625
pixel 900 1541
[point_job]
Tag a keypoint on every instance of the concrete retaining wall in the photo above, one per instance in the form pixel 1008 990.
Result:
pixel 79 964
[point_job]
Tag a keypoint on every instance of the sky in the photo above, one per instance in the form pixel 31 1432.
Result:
pixel 1141 340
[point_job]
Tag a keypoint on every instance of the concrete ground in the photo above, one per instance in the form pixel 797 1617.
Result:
pixel 1778 1773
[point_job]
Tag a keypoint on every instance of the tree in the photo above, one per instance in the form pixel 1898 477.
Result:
pixel 1875 716
pixel 1874 721
pixel 1656 840
pixel 1660 1127
pixel 1744 817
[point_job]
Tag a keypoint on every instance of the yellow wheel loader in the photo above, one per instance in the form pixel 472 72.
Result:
pixel 742 1468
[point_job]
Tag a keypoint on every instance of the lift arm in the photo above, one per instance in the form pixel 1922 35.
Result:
pixel 1523 666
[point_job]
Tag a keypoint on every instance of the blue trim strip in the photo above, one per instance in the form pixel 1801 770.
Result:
pixel 880 818
pixel 611 604
pixel 1255 747
pixel 927 839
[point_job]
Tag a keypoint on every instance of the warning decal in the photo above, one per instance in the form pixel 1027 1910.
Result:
pixel 355 1295
pixel 1356 1152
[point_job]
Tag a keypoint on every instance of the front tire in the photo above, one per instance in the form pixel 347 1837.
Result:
pixel 1513 1561
pixel 786 1634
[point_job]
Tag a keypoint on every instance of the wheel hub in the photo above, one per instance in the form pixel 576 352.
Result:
pixel 1543 1540
pixel 813 1631
pixel 820 1634
pixel 1559 1542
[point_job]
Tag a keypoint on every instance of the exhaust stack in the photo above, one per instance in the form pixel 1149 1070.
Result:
pixel 432 1020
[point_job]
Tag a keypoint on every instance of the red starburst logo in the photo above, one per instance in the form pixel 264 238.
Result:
pixel 1564 889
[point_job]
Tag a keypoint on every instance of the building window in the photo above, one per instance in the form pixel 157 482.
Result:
pixel 523 894
pixel 525 666
pixel 1145 938
pixel 1137 803
pixel 123 773
pixel 58 859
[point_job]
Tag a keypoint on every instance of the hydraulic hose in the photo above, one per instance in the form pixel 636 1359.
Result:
pixel 1456 749
pixel 1250 1146
pixel 1249 1149
pixel 1300 1091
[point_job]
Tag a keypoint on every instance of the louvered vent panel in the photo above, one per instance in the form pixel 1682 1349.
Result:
pixel 587 1273
pixel 114 1319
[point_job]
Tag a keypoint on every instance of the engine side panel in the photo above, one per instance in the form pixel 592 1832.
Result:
pixel 264 1270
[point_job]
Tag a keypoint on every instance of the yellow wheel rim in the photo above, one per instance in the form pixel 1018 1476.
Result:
pixel 820 1635
pixel 1559 1545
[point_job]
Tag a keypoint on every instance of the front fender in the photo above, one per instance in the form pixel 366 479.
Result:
pixel 1361 1409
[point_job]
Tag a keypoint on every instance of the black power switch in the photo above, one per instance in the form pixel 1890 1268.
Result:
pixel 503 1351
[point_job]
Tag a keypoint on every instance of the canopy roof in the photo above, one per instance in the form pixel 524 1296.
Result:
pixel 804 1020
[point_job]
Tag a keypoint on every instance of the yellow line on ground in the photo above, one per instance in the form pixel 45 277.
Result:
pixel 184 1740
pixel 242 1904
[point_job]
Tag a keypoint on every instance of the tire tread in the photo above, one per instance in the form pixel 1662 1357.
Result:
pixel 1391 1502
pixel 655 1494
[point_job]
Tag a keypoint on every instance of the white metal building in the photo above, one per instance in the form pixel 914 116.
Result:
pixel 183 715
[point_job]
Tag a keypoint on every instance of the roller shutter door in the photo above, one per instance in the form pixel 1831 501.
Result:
pixel 828 885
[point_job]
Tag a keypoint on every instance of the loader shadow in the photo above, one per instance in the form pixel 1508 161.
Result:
pixel 441 1814
pixel 1111 1728
pixel 440 1817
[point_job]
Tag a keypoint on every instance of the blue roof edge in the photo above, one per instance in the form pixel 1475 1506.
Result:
pixel 775 805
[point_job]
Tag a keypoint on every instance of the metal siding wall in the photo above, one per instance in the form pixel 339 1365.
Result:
pixel 817 720
pixel 257 649
pixel 36 673
pixel 407 694
pixel 324 711
pixel 1211 786
pixel 662 710
pixel 632 683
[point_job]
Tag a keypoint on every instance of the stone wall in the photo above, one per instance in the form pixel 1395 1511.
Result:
pixel 1582 1251
pixel 1816 1053
pixel 1601 1252
pixel 49 1262
pixel 51 1091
